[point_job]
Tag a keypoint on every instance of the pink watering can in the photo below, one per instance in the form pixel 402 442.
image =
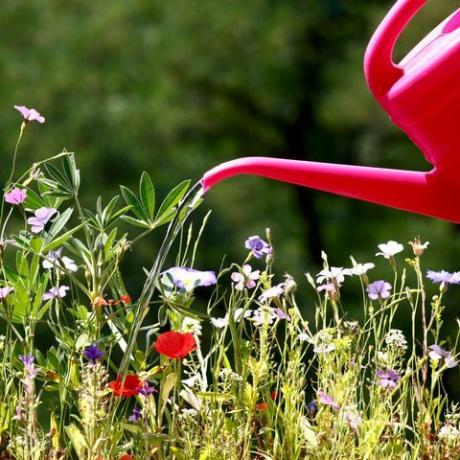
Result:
pixel 421 94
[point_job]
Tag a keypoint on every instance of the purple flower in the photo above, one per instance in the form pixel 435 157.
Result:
pixel 146 389
pixel 30 114
pixel 5 291
pixel 379 290
pixel 29 366
pixel 312 407
pixel 93 353
pixel 56 292
pixel 15 196
pixel 281 314
pixel 135 416
pixel 247 278
pixel 42 216
pixel 258 246
pixel 328 400
pixel 388 378
pixel 437 353
pixel 189 278
pixel 443 277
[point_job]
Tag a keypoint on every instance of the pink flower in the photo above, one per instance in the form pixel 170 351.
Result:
pixel 42 216
pixel 16 196
pixel 30 114
pixel 5 292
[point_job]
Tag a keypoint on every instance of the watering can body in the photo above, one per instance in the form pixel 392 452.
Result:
pixel 421 95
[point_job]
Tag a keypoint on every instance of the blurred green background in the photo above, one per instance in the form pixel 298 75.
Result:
pixel 179 86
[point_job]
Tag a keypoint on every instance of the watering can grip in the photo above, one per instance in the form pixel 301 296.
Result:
pixel 380 70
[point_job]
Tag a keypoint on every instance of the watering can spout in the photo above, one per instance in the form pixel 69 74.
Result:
pixel 380 70
pixel 417 192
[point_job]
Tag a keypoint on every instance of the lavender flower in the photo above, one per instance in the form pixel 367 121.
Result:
pixel 246 279
pixel 328 400
pixel 188 278
pixel 30 114
pixel 15 196
pixel 331 289
pixel 258 246
pixel 275 291
pixel 5 292
pixel 281 314
pixel 379 290
pixel 135 416
pixel 57 292
pixel 388 378
pixel 42 216
pixel 443 277
pixel 437 353
pixel 54 259
pixel 29 366
pixel 390 249
pixel 93 353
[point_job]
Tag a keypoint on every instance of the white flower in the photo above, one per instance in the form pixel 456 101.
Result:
pixel 220 323
pixel 389 249
pixel 336 274
pixel 241 313
pixel 191 325
pixel 359 269
pixel 303 337
pixel 395 339
pixel 54 259
pixel 264 315
pixel 275 291
pixel 324 348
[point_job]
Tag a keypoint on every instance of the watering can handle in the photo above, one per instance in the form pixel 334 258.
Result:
pixel 380 70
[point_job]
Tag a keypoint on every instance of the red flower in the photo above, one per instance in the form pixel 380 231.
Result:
pixel 175 345
pixel 274 395
pixel 126 457
pixel 262 406
pixel 126 299
pixel 130 387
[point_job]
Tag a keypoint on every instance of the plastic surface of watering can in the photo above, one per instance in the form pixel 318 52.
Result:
pixel 421 94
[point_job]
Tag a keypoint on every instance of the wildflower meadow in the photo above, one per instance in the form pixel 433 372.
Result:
pixel 206 363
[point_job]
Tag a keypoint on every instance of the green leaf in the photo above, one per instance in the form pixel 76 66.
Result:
pixel 147 194
pixel 171 200
pixel 72 173
pixel 135 222
pixel 134 202
pixel 33 201
pixel 59 223
pixel 78 440
pixel 62 239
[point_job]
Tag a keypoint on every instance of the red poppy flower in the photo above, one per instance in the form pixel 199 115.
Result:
pixel 126 457
pixel 274 395
pixel 262 406
pixel 130 387
pixel 126 299
pixel 175 345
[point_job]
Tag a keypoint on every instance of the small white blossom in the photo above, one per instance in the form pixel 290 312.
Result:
pixel 389 249
pixel 220 323
pixel 359 269
pixel 191 325
pixel 395 339
pixel 334 274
